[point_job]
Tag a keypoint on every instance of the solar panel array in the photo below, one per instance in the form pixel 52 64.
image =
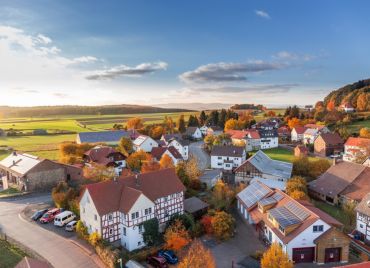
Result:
pixel 267 201
pixel 297 210
pixel 284 216
pixel 253 193
pixel 277 196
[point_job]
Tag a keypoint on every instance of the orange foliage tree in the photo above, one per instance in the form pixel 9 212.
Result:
pixel 330 106
pixel 294 122
pixel 275 257
pixel 135 123
pixel 137 159
pixel 156 132
pixel 176 236
pixel 223 225
pixel 365 133
pixel 150 166
pixel 206 222
pixel 197 257
pixel 166 162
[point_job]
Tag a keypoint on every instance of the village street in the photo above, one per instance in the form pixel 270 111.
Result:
pixel 196 149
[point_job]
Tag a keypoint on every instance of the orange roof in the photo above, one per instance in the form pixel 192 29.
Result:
pixel 300 130
pixel 360 142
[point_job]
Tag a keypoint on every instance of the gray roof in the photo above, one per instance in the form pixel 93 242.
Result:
pixel 194 204
pixel 20 163
pixel 102 136
pixel 232 151
pixel 269 166
pixel 190 130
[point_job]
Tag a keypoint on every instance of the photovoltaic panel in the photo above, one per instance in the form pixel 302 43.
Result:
pixel 267 201
pixel 298 211
pixel 253 193
pixel 277 196
pixel 284 217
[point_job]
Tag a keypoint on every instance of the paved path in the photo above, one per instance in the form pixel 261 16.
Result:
pixel 57 250
pixel 196 149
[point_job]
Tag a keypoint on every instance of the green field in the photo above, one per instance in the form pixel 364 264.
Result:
pixel 356 126
pixel 282 154
pixel 9 255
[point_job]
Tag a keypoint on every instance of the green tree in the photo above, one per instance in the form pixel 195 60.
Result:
pixel 202 118
pixel 181 124
pixel 151 235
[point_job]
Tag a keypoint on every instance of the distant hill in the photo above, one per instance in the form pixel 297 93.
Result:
pixel 248 107
pixel 83 110
pixel 350 94
pixel 196 106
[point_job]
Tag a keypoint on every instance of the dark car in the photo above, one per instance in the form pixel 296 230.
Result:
pixel 169 255
pixel 38 214
pixel 157 262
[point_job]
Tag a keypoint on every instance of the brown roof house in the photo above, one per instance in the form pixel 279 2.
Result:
pixel 327 144
pixel 304 232
pixel 342 182
pixel 300 151
pixel 171 151
pixel 363 219
pixel 116 209
pixel 31 173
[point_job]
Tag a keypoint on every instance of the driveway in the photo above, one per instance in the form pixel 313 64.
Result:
pixel 196 149
pixel 235 253
pixel 60 252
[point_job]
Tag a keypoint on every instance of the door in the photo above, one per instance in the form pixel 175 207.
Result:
pixel 303 254
pixel 332 255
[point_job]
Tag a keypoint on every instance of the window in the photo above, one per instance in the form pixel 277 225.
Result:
pixel 110 231
pixel 148 211
pixel 318 228
pixel 139 243
pixel 166 213
pixel 95 217
pixel 361 226
pixel 281 229
pixel 124 231
pixel 135 215
pixel 219 157
pixel 110 217
pixel 141 228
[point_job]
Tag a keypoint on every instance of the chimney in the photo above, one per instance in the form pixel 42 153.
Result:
pixel 137 180
pixel 15 153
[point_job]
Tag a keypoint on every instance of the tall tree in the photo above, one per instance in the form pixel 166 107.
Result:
pixel 125 146
pixel 275 257
pixel 197 257
pixel 222 118
pixel 176 236
pixel 181 124
pixel 166 162
pixel 202 118
pixel 135 123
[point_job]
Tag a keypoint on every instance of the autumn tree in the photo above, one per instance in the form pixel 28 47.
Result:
pixel 135 123
pixel 319 106
pixel 150 166
pixel 275 257
pixel 71 153
pixel 318 167
pixel 365 133
pixel 294 122
pixel 176 236
pixel 349 211
pixel 363 101
pixel 271 113
pixel 168 124
pixel 192 169
pixel 197 256
pixel 125 146
pixel 208 141
pixel 330 106
pixel 222 195
pixel 232 124
pixel 299 195
pixel 181 124
pixel 166 162
pixel 156 132
pixel 296 184
pixel 96 172
pixel 223 225
pixel 137 159
pixel 62 194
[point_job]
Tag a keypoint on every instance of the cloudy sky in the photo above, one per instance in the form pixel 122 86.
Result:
pixel 151 52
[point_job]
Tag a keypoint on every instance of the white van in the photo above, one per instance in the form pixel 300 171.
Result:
pixel 64 218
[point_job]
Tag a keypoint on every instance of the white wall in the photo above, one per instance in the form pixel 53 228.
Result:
pixel 88 212
pixel 219 163
pixel 271 143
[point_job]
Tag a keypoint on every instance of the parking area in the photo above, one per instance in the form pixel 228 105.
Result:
pixel 31 209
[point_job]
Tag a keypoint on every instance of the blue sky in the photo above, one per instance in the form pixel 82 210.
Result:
pixel 149 52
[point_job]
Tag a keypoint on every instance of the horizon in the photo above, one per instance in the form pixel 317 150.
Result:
pixel 153 54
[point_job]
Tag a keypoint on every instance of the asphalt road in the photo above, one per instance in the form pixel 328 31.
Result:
pixel 57 250
pixel 196 149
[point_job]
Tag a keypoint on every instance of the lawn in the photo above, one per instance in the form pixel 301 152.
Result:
pixel 356 126
pixel 9 191
pixel 9 255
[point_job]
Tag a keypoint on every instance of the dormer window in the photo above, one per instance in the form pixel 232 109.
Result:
pixel 281 229
pixel 318 228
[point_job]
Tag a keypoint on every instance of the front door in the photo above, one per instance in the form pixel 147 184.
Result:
pixel 332 255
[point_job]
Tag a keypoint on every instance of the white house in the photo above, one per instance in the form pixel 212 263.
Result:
pixel 356 148
pixel 159 152
pixel 363 219
pixel 204 130
pixel 304 232
pixel 271 172
pixel 117 209
pixel 249 137
pixel 227 157
pixel 144 143
pixel 194 133
pixel 297 133
pixel 269 138
pixel 347 107
pixel 310 135
pixel 175 140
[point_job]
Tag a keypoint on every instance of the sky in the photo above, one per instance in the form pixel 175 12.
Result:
pixel 276 53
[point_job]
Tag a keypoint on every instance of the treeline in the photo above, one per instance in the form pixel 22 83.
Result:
pixel 248 107
pixel 356 94
pixel 6 111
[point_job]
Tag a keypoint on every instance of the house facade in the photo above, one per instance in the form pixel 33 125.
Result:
pixel 356 149
pixel 227 157
pixel 297 134
pixel 301 151
pixel 363 219
pixel 144 143
pixel 117 209
pixel 159 152
pixel 304 232
pixel 204 130
pixel 193 133
pixel 328 144
pixel 269 138
pixel 175 140
pixel 261 167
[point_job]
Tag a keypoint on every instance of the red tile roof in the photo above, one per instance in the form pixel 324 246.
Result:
pixel 120 195
pixel 300 130
pixel 360 142
pixel 100 154
pixel 157 152
pixel 331 138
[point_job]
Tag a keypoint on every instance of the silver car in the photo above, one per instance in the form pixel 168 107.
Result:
pixel 71 226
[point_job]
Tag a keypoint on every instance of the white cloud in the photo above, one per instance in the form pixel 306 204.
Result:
pixel 262 14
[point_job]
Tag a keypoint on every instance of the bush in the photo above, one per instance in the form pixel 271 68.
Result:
pixel 81 230
pixel 94 239
pixel 197 230
pixel 107 254
pixel 186 219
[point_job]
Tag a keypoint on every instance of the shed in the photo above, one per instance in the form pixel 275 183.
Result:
pixel 195 206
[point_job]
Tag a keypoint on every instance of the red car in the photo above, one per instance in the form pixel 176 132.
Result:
pixel 50 215
pixel 157 262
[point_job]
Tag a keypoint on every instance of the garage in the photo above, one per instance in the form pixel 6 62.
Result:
pixel 303 254
pixel 332 255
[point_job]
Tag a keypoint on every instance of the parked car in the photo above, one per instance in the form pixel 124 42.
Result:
pixel 50 215
pixel 71 226
pixel 157 262
pixel 169 255
pixel 38 214
pixel 63 218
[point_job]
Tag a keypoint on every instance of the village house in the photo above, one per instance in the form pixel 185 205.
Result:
pixel 300 151
pixel 310 135
pixel 305 233
pixel 347 108
pixel 319 128
pixel 260 167
pixel 117 209
pixel 31 173
pixel 269 138
pixel 342 182
pixel 249 137
pixel 159 152
pixel 284 133
pixel 175 140
pixel 204 129
pixel 363 219
pixel 227 157
pixel 144 143
pixel 105 156
pixel 193 133
pixel 356 149
pixel 107 137
pixel 328 144
pixel 297 133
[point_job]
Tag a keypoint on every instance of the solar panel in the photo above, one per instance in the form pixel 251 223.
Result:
pixel 253 193
pixel 284 217
pixel 298 211
pixel 267 201
pixel 277 196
